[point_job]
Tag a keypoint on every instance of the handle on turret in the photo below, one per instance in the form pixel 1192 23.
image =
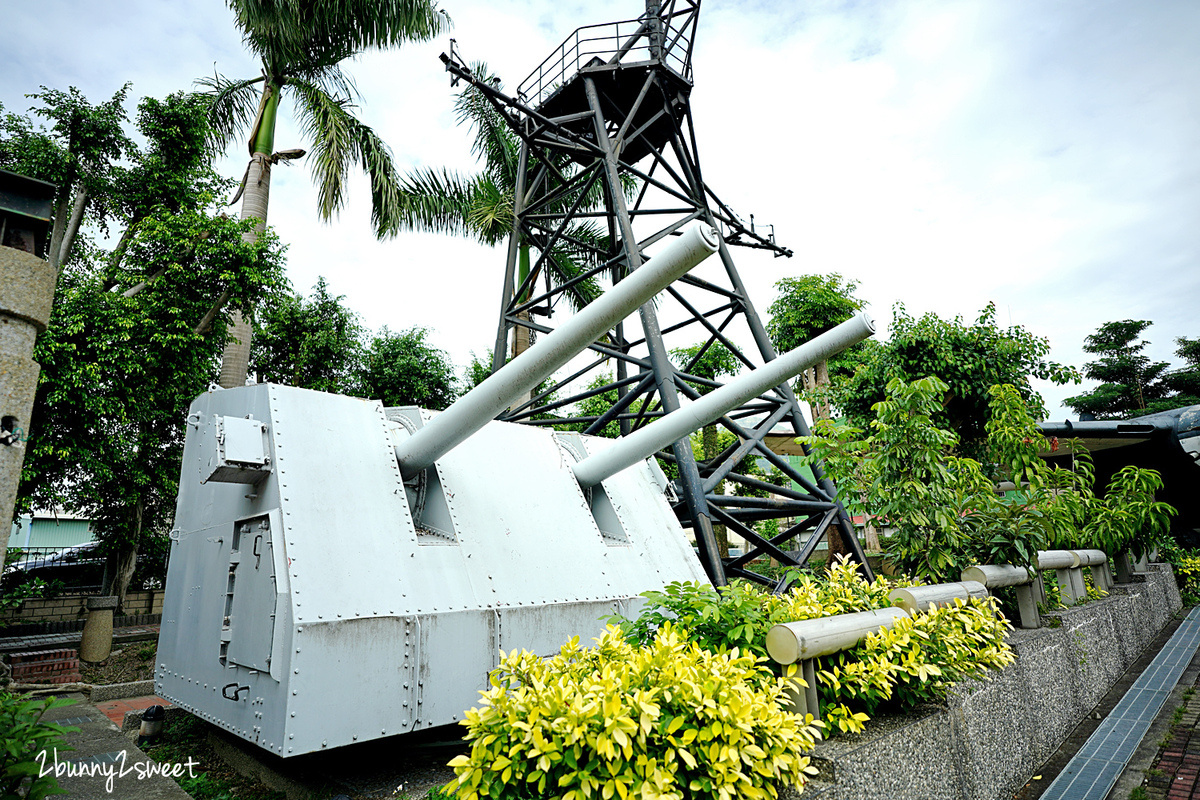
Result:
pixel 481 405
pixel 646 441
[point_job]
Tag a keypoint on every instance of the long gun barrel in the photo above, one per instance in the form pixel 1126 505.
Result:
pixel 479 406
pixel 674 426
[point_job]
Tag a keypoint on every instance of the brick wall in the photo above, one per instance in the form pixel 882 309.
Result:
pixel 70 607
pixel 45 666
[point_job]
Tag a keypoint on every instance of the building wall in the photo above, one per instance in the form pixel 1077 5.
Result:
pixel 46 531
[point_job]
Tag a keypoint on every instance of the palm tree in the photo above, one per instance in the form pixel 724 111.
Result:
pixel 481 206
pixel 301 46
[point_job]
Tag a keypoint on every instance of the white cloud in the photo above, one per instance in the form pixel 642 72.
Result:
pixel 942 153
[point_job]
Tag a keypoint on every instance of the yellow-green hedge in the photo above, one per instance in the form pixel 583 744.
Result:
pixel 664 720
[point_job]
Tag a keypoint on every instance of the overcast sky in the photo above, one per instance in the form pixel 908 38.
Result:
pixel 1041 154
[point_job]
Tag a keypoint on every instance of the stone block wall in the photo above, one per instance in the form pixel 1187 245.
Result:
pixel 70 608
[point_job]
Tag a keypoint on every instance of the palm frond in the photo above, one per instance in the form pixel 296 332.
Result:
pixel 291 33
pixel 367 24
pixel 436 201
pixel 491 216
pixel 563 266
pixel 337 140
pixel 332 79
pixel 589 241
pixel 231 106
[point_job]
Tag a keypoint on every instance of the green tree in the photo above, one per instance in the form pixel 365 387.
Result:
pixel 301 47
pixel 128 345
pixel 1185 381
pixel 404 369
pixel 119 369
pixel 77 153
pixel 172 172
pixel 481 205
pixel 1129 380
pixel 968 359
pixel 315 343
pixel 476 372
pixel 1131 384
pixel 806 307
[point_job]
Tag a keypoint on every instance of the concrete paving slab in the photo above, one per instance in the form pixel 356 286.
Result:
pixel 104 765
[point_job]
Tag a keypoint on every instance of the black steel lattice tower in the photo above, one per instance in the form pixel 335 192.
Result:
pixel 607 146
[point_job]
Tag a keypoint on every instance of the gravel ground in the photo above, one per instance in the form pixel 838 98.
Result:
pixel 133 662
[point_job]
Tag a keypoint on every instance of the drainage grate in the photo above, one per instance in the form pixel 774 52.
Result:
pixel 1094 770
pixel 71 721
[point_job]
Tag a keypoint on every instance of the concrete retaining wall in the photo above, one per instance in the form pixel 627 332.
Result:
pixel 991 736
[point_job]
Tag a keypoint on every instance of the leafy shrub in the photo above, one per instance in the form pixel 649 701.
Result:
pixel 915 662
pixel 944 509
pixel 664 720
pixel 742 613
pixel 22 736
pixel 1186 564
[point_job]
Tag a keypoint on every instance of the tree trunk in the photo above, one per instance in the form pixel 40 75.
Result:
pixel 822 384
pixel 873 545
pixel 59 228
pixel 118 254
pixel 68 239
pixel 722 535
pixel 837 546
pixel 127 561
pixel 520 332
pixel 235 359
pixel 809 381
pixel 520 335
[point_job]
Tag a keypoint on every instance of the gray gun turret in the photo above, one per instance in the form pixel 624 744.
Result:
pixel 342 572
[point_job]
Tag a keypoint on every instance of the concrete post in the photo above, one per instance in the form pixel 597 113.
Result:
pixel 1071 589
pixel 1123 568
pixel 802 698
pixel 1097 562
pixel 997 576
pixel 96 644
pixel 26 296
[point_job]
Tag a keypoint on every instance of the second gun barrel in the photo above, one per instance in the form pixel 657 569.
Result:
pixel 631 449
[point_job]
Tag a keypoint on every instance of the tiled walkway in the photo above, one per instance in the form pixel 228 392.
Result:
pixel 115 709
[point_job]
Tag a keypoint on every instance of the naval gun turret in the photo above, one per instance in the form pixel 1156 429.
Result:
pixel 342 572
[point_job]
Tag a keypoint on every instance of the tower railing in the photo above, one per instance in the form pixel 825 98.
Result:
pixel 627 41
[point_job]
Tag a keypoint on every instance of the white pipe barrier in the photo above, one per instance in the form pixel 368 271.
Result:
pixel 790 642
pixel 919 598
pixel 998 576
pixel 809 639
pixel 1068 572
pixel 480 406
